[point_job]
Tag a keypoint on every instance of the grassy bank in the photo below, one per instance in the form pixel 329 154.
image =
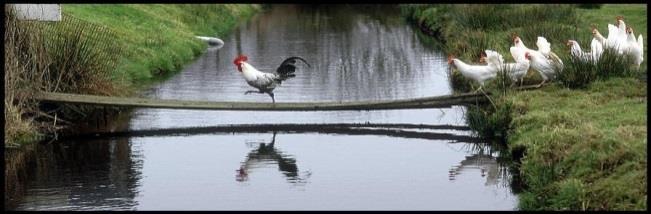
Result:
pixel 109 49
pixel 159 38
pixel 584 149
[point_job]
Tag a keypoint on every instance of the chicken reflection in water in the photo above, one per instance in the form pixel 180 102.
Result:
pixel 266 154
pixel 488 165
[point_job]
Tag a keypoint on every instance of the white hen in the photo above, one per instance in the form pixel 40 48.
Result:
pixel 613 40
pixel 591 56
pixel 478 73
pixel 616 36
pixel 518 43
pixel 546 68
pixel 621 28
pixel 544 48
pixel 517 70
pixel 635 47
pixel 600 38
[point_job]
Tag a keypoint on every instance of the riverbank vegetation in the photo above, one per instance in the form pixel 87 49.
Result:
pixel 108 49
pixel 584 136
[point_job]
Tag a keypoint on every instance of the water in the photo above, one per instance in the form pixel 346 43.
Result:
pixel 357 53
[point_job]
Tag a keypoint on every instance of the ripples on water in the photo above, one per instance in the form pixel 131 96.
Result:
pixel 356 54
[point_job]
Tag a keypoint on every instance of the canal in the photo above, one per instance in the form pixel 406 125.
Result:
pixel 357 53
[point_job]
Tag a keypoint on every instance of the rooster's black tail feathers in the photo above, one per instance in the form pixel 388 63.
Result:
pixel 288 67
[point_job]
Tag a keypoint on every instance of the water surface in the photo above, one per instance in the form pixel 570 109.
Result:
pixel 357 53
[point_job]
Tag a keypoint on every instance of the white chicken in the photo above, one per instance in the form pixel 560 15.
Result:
pixel 546 65
pixel 596 49
pixel 517 70
pixel 597 35
pixel 544 48
pixel 621 28
pixel 517 42
pixel 635 47
pixel 614 40
pixel 266 82
pixel 547 68
pixel 616 36
pixel 478 73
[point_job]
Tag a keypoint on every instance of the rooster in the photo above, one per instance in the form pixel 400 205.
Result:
pixel 266 82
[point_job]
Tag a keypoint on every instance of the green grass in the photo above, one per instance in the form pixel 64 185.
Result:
pixel 159 38
pixel 594 138
pixel 584 148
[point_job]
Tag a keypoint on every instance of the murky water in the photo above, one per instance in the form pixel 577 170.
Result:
pixel 356 53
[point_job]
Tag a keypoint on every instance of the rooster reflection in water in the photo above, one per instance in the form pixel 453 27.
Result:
pixel 266 154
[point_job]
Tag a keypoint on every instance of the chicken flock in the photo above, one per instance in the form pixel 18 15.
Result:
pixel 547 63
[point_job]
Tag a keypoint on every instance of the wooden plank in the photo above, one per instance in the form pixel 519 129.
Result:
pixel 425 102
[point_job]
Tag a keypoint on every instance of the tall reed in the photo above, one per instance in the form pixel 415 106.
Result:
pixel 66 56
pixel 20 77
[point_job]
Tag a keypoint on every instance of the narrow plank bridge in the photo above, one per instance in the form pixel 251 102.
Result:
pixel 414 103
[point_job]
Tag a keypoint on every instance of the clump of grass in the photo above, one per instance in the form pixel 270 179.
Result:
pixel 590 6
pixel 486 17
pixel 82 57
pixel 502 83
pixel 612 64
pixel 497 17
pixel 578 72
pixel 490 122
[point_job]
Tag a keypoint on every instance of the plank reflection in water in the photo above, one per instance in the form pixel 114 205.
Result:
pixel 266 155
